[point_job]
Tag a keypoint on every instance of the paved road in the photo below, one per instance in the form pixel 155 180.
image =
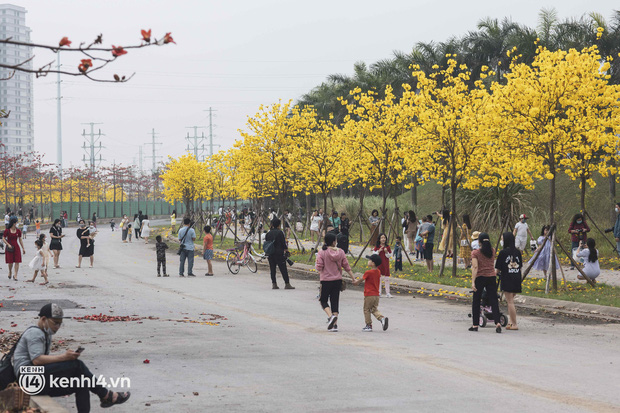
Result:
pixel 273 353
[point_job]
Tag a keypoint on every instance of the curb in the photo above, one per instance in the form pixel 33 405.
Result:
pixel 46 404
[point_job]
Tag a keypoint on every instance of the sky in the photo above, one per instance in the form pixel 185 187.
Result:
pixel 231 56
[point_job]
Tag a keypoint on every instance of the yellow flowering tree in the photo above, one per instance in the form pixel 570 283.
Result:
pixel 557 113
pixel 185 179
pixel 447 130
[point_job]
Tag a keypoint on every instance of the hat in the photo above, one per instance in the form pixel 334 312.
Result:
pixel 523 216
pixel 475 235
pixel 375 258
pixel 51 310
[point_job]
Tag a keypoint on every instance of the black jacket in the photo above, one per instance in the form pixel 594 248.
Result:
pixel 279 244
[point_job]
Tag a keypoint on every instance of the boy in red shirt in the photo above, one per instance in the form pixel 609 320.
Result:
pixel 372 277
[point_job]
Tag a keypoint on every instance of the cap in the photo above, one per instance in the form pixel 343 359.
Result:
pixel 375 258
pixel 475 235
pixel 51 310
pixel 523 216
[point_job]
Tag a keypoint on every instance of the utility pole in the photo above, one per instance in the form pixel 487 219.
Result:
pixel 92 150
pixel 198 146
pixel 211 145
pixel 58 123
pixel 140 157
pixel 154 144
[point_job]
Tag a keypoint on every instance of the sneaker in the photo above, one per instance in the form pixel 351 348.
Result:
pixel 384 323
pixel 288 287
pixel 367 328
pixel 159 275
pixel 388 295
pixel 166 275
pixel 191 275
pixel 181 275
pixel 209 275
pixel 334 329
pixel 332 322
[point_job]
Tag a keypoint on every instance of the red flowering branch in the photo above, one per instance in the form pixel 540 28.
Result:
pixel 97 57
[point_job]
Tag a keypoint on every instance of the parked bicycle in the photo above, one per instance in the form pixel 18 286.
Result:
pixel 243 254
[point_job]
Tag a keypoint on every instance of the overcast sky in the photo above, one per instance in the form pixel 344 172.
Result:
pixel 231 56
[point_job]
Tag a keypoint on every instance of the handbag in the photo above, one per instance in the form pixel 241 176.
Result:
pixel 9 248
pixel 464 243
pixel 13 398
pixel 7 372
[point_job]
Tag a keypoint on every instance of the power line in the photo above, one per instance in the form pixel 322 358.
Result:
pixel 154 147
pixel 211 145
pixel 197 146
pixel 92 150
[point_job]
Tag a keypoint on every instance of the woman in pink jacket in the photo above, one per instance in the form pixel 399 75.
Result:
pixel 330 262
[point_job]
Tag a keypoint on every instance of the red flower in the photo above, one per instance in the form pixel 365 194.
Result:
pixel 118 51
pixel 147 361
pixel 146 35
pixel 64 42
pixel 85 65
pixel 168 39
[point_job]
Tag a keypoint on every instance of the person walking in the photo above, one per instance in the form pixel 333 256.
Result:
pixel 145 229
pixel 87 245
pixel 56 236
pixel 38 263
pixel 137 224
pixel 521 232
pixel 173 221
pixel 508 266
pixel 411 229
pixel 187 236
pixel 94 219
pixel 279 254
pixel 315 222
pixel 372 280
pixel 12 239
pixel 330 262
pixel 591 266
pixel 124 228
pixel 483 277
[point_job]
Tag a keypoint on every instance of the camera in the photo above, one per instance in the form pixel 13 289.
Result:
pixel 290 262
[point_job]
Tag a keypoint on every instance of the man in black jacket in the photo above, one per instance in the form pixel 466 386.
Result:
pixel 279 255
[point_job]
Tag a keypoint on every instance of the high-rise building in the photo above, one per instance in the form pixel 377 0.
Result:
pixel 16 132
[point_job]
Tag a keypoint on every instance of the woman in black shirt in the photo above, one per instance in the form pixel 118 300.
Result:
pixel 279 255
pixel 508 266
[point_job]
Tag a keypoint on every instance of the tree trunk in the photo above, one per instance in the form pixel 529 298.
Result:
pixel 552 200
pixel 612 198
pixel 583 194
pixel 453 226
pixel 414 193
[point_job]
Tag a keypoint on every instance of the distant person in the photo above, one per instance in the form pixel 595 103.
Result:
pixel 25 225
pixel 398 255
pixel 385 253
pixel 279 255
pixel 521 232
pixel 33 349
pixel 335 221
pixel 87 245
pixel 542 262
pixel 173 221
pixel 578 230
pixel 145 229
pixel 616 228
pixel 94 219
pixel 508 266
pixel 465 245
pixel 315 224
pixel 591 266
pixel 475 245
pixel 38 263
pixel 207 247
pixel 427 231
pixel 411 229
pixel 137 224
pixel 374 226
pixel 12 239
pixel 483 277
pixel 37 226
pixel 372 280
pixel 160 249
pixel 56 237
pixel 187 236
pixel 124 228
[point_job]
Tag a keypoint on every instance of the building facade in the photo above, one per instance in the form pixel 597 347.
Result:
pixel 16 97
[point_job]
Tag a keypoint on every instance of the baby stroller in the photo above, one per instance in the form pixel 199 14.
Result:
pixel 486 311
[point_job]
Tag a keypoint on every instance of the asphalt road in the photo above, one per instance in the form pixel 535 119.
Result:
pixel 272 351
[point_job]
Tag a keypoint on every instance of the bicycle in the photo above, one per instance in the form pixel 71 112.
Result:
pixel 249 257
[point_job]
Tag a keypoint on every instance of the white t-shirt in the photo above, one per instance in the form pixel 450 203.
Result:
pixel 522 229
pixel 314 225
pixel 591 269
pixel 6 218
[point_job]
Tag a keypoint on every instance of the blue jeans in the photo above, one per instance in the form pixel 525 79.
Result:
pixel 618 247
pixel 189 254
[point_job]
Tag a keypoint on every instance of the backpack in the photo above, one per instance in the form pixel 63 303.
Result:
pixel 269 247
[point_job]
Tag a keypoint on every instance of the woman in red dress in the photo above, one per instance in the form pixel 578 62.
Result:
pixel 13 254
pixel 385 252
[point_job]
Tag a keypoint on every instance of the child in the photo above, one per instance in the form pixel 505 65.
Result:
pixel 46 251
pixel 38 263
pixel 37 226
pixel 398 255
pixel 25 227
pixel 161 248
pixel 92 233
pixel 207 247
pixel 112 224
pixel 372 279
pixel 385 252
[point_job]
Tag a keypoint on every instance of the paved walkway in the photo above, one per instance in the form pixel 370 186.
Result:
pixel 271 352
